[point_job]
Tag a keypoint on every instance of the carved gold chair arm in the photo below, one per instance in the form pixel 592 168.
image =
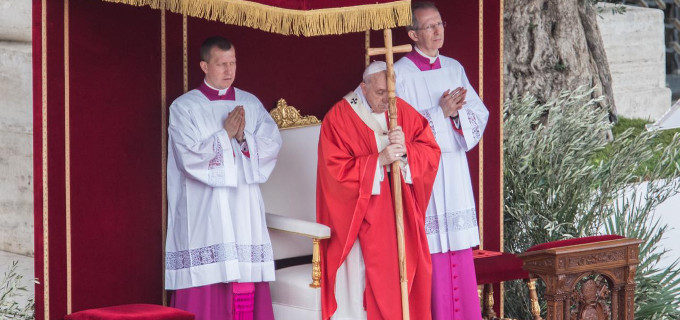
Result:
pixel 288 117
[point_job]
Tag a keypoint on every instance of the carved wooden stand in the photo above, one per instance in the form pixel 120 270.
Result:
pixel 563 268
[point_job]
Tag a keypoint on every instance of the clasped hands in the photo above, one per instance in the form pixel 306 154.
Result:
pixel 236 123
pixel 395 150
pixel 452 101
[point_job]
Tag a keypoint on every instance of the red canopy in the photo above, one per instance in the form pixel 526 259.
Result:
pixel 291 17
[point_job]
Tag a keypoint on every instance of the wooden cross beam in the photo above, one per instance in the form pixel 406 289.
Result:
pixel 389 51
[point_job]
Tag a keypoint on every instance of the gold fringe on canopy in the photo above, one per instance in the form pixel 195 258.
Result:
pixel 288 21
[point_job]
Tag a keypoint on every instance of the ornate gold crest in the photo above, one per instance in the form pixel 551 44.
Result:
pixel 287 117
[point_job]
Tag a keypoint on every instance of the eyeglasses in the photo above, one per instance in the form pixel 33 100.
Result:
pixel 433 26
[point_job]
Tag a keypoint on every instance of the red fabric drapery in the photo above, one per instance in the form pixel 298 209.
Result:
pixel 317 4
pixel 289 17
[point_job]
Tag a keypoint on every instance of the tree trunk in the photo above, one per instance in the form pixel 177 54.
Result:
pixel 551 46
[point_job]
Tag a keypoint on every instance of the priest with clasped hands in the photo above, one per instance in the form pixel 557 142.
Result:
pixel 222 144
pixel 438 88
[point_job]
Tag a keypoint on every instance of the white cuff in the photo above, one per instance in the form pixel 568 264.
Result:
pixel 405 170
pixel 377 178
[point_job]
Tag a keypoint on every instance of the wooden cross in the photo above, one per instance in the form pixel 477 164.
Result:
pixel 389 51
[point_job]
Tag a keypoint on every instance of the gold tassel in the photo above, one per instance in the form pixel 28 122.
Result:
pixel 308 23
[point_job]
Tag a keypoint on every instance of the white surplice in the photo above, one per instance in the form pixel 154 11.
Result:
pixel 216 218
pixel 450 221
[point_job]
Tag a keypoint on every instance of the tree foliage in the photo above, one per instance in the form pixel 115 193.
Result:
pixel 557 185
pixel 11 287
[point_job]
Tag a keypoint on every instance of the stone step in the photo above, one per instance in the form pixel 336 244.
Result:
pixel 649 34
pixel 634 20
pixel 636 52
pixel 643 76
pixel 16 86
pixel 16 192
pixel 16 144
pixel 15 20
pixel 644 104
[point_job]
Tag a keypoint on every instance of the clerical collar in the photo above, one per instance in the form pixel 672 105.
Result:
pixel 423 61
pixel 432 59
pixel 217 94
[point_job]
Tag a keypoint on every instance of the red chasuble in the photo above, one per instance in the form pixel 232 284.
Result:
pixel 347 162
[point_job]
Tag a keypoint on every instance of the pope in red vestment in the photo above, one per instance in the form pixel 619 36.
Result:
pixel 354 198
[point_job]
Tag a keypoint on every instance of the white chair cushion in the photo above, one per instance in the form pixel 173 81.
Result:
pixel 298 226
pixel 291 290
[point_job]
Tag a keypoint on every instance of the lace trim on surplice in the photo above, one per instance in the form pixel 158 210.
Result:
pixel 472 117
pixel 451 221
pixel 429 120
pixel 216 170
pixel 218 253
